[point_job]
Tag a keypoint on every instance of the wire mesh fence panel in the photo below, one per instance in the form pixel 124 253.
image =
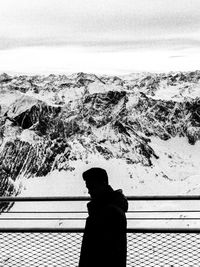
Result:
pixel 44 249
pixel 163 250
pixel 40 249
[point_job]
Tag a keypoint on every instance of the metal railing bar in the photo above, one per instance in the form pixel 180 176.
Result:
pixel 41 230
pixel 164 230
pixel 40 219
pixel 79 212
pixel 167 197
pixel 81 230
pixel 152 219
pixel 24 199
pixel 47 199
pixel 83 198
pixel 161 211
pixel 69 218
pixel 42 212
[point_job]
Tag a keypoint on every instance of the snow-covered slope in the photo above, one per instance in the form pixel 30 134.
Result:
pixel 143 128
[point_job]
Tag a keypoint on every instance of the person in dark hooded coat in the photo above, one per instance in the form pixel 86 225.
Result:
pixel 104 241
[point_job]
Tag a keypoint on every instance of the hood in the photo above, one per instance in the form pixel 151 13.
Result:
pixel 115 197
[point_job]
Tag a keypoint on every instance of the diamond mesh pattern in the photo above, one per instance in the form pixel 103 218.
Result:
pixel 163 249
pixel 63 249
pixel 39 249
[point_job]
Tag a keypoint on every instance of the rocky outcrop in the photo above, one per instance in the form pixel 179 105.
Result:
pixel 4 78
pixel 28 112
pixel 166 119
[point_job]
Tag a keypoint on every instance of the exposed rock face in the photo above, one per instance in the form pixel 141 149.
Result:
pixel 27 112
pixel 4 78
pixel 48 122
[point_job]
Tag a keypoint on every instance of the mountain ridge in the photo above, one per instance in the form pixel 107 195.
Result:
pixel 49 122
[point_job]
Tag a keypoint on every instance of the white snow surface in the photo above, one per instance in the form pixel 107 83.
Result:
pixel 177 171
pixel 177 93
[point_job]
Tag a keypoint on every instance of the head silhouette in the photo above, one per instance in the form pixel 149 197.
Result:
pixel 96 180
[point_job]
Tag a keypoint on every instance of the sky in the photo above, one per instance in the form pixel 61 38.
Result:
pixel 101 36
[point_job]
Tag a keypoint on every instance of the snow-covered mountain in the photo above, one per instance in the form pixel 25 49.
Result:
pixel 143 128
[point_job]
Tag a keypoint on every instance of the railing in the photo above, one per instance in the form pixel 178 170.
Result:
pixel 33 236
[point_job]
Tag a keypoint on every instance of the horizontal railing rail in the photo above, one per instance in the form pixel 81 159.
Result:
pixel 67 216
pixel 84 198
pixel 81 230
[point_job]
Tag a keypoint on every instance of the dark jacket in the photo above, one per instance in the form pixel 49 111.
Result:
pixel 104 241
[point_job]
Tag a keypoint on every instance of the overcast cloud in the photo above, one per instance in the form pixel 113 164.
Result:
pixel 54 22
pixel 104 25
